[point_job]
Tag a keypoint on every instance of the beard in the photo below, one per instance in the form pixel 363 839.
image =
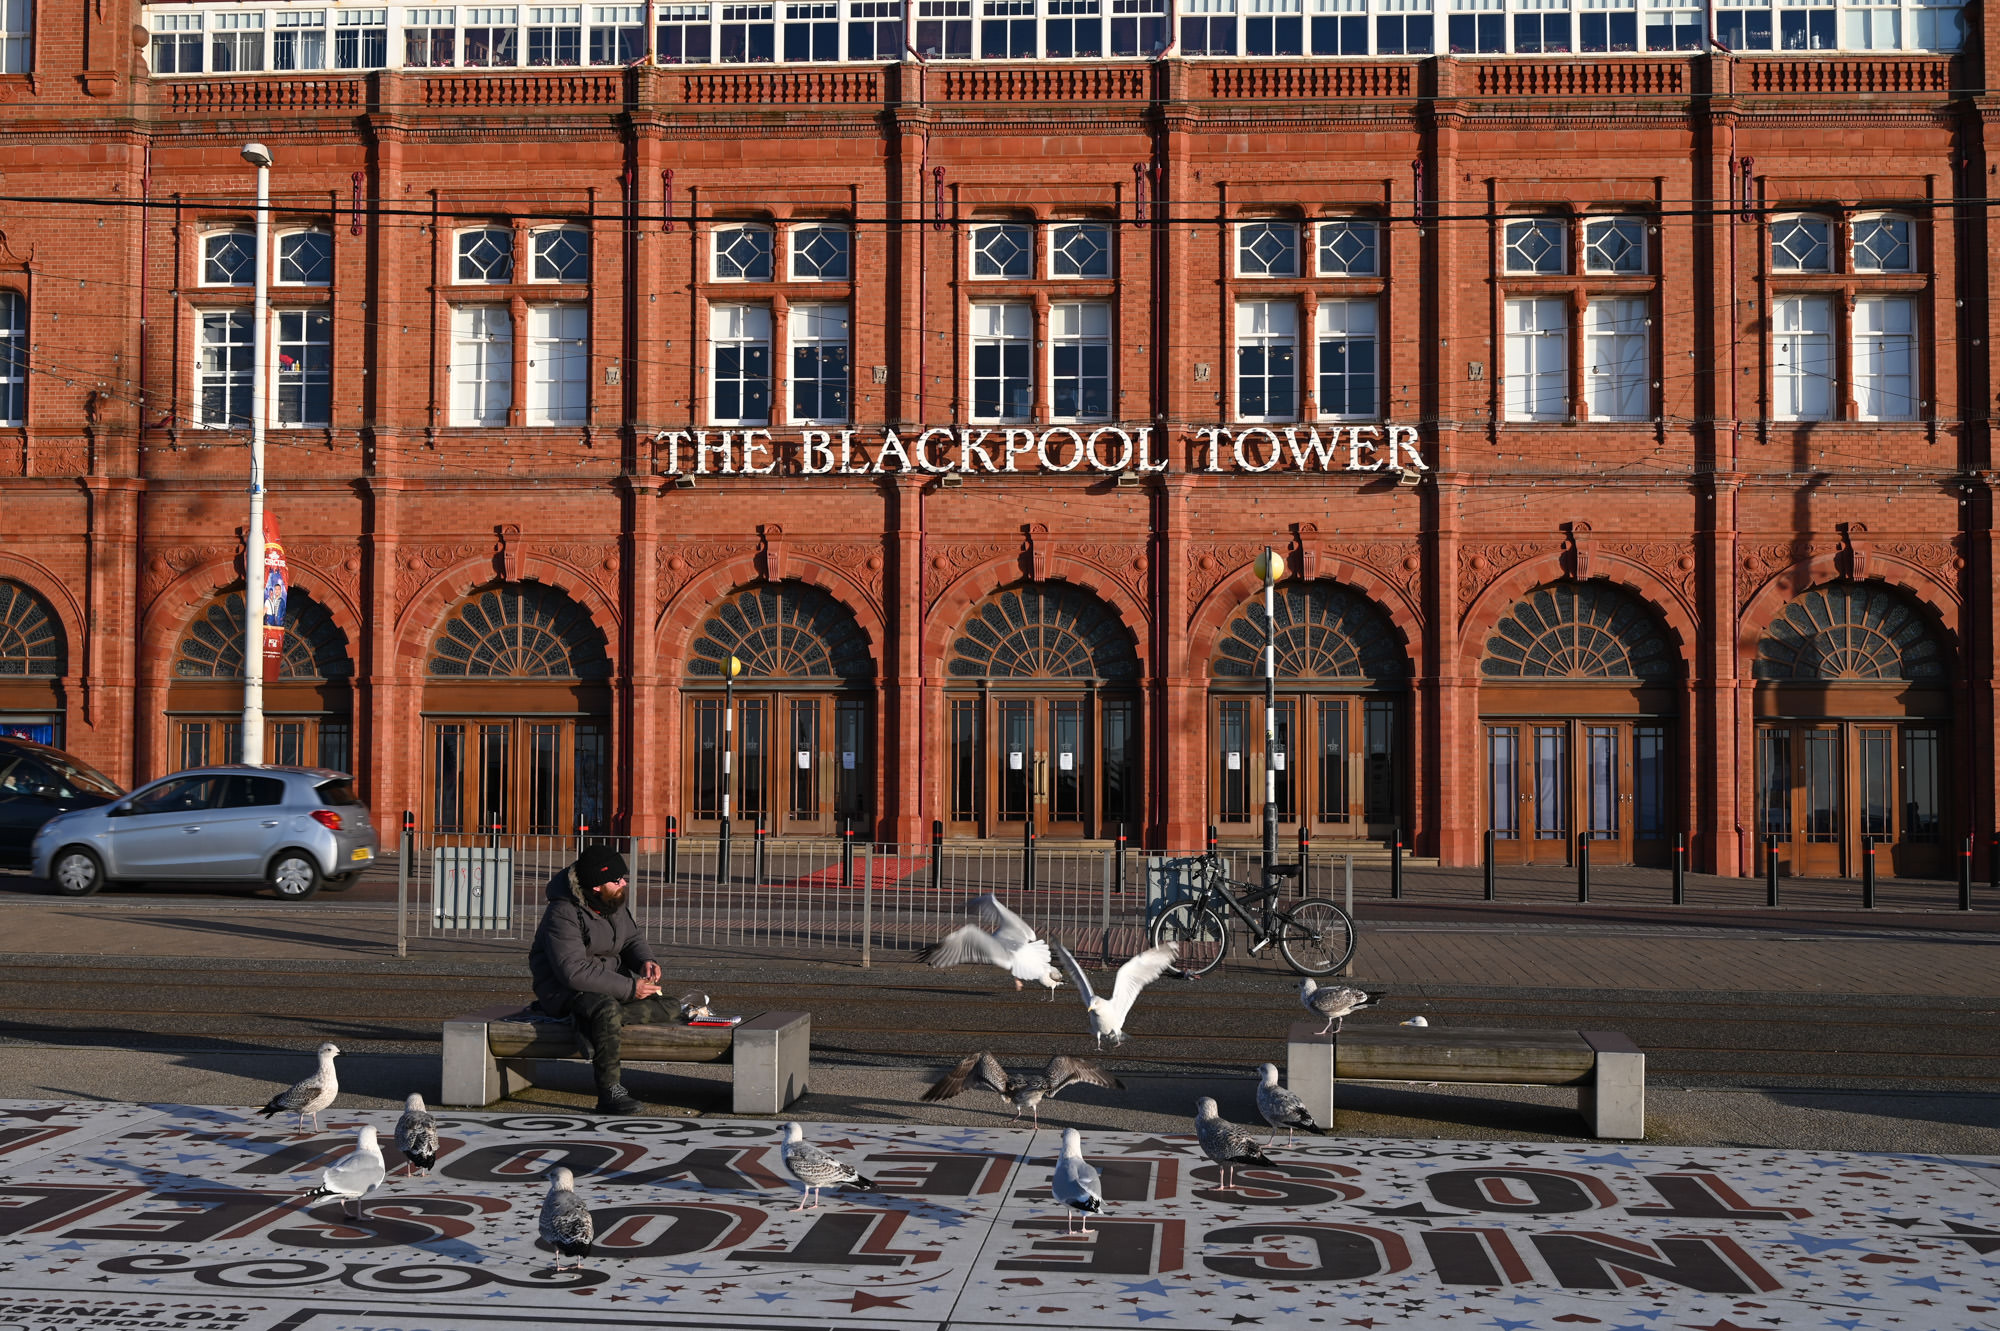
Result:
pixel 611 895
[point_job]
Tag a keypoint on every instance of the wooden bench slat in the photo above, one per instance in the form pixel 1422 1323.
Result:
pixel 1464 1053
pixel 638 1044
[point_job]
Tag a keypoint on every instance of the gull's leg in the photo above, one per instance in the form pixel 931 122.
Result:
pixel 1329 1026
pixel 1338 1022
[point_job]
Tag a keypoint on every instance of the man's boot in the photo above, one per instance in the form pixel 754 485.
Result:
pixel 615 1099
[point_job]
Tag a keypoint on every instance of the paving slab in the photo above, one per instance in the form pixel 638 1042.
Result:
pixel 169 1217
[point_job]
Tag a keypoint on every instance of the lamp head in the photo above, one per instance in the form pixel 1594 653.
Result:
pixel 257 154
pixel 1270 566
pixel 735 667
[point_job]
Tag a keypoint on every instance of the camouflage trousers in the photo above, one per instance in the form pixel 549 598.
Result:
pixel 601 1020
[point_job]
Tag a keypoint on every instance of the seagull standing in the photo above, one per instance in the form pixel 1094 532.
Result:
pixel 1024 1090
pixel 1076 1184
pixel 1001 938
pixel 1335 1002
pixel 1107 1015
pixel 1282 1108
pixel 417 1136
pixel 694 1007
pixel 1225 1143
pixel 353 1178
pixel 815 1169
pixel 566 1225
pixel 310 1096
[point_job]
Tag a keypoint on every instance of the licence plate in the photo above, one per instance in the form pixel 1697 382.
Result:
pixel 359 853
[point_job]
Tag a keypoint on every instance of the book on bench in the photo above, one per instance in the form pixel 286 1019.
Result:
pixel 716 1021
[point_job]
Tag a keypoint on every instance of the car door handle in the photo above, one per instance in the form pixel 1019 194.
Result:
pixel 190 830
pixel 270 822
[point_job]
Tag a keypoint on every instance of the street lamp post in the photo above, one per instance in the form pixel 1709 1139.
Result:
pixel 729 674
pixel 253 553
pixel 1270 567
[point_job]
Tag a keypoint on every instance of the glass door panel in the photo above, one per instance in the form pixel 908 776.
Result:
pixel 854 782
pixel 1550 788
pixel 1923 851
pixel 1068 782
pixel 1380 778
pixel 495 806
pixel 1652 818
pixel 1284 714
pixel 802 761
pixel 544 803
pixel 591 772
pixel 705 755
pixel 1878 773
pixel 448 778
pixel 1605 794
pixel 1503 793
pixel 1818 786
pixel 1017 759
pixel 1332 796
pixel 1232 760
pixel 1121 769
pixel 968 767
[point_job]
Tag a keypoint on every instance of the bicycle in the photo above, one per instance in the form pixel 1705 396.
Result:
pixel 1316 937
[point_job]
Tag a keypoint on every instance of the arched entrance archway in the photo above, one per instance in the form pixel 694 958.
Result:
pixel 1342 677
pixel 1576 702
pixel 32 659
pixel 308 705
pixel 1042 696
pixel 517 716
pixel 802 755
pixel 1853 708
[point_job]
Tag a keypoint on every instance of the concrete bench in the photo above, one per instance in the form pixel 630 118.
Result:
pixel 488 1057
pixel 1607 1069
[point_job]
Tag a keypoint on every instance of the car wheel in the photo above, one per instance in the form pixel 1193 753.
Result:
pixel 76 872
pixel 294 876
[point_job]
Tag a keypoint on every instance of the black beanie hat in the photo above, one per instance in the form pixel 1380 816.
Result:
pixel 597 866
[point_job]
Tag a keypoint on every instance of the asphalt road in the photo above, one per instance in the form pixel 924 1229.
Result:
pixel 904 1015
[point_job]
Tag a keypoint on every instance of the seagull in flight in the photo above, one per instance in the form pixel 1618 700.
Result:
pixel 308 1097
pixel 1024 1090
pixel 1336 1001
pixel 354 1177
pixel 1225 1143
pixel 1001 938
pixel 1107 1015
pixel 1076 1184
pixel 1282 1108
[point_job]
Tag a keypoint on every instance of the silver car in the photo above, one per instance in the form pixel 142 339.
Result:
pixel 294 828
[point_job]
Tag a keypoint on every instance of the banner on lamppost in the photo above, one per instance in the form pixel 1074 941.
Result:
pixel 277 581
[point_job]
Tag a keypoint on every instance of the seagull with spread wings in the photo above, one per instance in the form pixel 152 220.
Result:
pixel 1107 1015
pixel 1001 938
pixel 1024 1090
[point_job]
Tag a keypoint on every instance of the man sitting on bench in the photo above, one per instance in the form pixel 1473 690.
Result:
pixel 591 964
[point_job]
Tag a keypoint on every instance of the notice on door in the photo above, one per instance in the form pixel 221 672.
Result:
pixel 1014 761
pixel 805 759
pixel 847 762
pixel 1065 762
pixel 1235 762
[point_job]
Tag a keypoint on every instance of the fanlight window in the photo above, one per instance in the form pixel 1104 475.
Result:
pixel 1044 630
pixel 31 643
pixel 1851 631
pixel 520 630
pixel 1324 631
pixel 1579 630
pixel 314 646
pixel 786 631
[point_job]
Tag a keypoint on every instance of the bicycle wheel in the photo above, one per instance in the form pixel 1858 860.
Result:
pixel 1202 934
pixel 1316 937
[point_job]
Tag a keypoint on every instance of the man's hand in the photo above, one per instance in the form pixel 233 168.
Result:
pixel 646 986
pixel 651 970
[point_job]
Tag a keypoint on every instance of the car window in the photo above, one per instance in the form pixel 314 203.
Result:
pixel 187 794
pixel 337 793
pixel 251 792
pixel 87 779
pixel 26 777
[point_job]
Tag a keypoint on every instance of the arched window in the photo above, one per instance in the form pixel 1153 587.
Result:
pixel 520 630
pixel 1324 631
pixel 1044 630
pixel 486 255
pixel 1852 631
pixel 13 358
pixel 229 258
pixel 1802 244
pixel 31 642
pixel 561 254
pixel 786 630
pixel 742 252
pixel 314 646
pixel 1579 630
pixel 1884 243
pixel 305 259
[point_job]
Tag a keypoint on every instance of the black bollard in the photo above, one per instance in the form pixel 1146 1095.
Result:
pixel 757 835
pixel 1583 868
pixel 1211 838
pixel 1771 869
pixel 1868 873
pixel 937 855
pixel 1396 862
pixel 724 871
pixel 1305 857
pixel 1965 876
pixel 847 852
pixel 1118 882
pixel 673 849
pixel 1491 838
pixel 1993 862
pixel 1028 856
pixel 1680 870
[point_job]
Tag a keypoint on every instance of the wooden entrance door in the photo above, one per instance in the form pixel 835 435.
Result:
pixel 1044 763
pixel 1551 781
pixel 532 776
pixel 1069 761
pixel 1336 763
pixel 800 760
pixel 1823 786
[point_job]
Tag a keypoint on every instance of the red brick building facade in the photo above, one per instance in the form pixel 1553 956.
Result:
pixel 1622 410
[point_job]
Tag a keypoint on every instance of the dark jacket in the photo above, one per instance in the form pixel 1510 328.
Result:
pixel 577 950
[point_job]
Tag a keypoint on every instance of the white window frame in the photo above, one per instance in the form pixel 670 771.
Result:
pixel 233 28
pixel 1537 358
pixel 220 233
pixel 1636 225
pixel 278 277
pixel 1059 232
pixel 1617 358
pixel 535 238
pixel 1349 322
pixel 1936 27
pixel 482 365
pixel 1803 374
pixel 1862 221
pixel 1267 325
pixel 236 376
pixel 984 234
pixel 795 241
pixel 13 357
pixel 1885 359
pixel 1081 326
pixel 1780 228
pixel 738 327
pixel 558 368
pixel 615 20
pixel 1008 330
pixel 17 36
pixel 359 23
pixel 301 25
pixel 553 20
pixel 1514 233
pixel 819 328
pixel 172 29
pixel 458 256
pixel 301 377
pixel 1246 234
pixel 1324 239
pixel 502 25
pixel 722 236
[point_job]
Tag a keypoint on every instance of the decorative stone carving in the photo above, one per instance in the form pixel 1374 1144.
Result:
pixel 1209 563
pixel 1757 562
pixel 340 565
pixel 596 562
pixel 1673 561
pixel 859 560
pixel 417 565
pixel 164 564
pixel 944 563
pixel 678 563
pixel 1397 563
pixel 1943 560
pixel 60 459
pixel 1479 565
pixel 1124 564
